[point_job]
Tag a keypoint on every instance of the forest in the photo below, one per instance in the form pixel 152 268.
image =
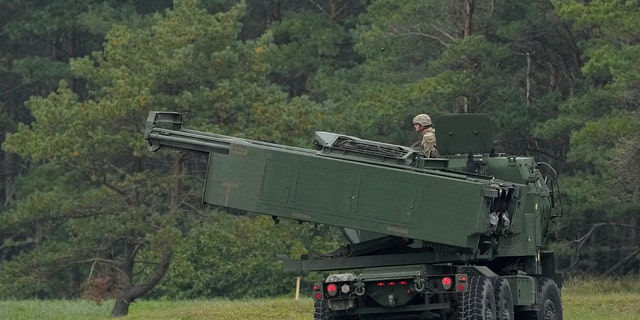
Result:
pixel 87 212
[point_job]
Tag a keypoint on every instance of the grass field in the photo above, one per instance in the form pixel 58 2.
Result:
pixel 582 300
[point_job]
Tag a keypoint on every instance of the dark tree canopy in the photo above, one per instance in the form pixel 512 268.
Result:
pixel 86 208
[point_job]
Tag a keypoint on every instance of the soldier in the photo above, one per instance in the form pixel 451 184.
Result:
pixel 422 124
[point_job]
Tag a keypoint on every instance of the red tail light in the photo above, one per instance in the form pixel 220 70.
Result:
pixel 332 289
pixel 447 282
pixel 392 283
pixel 317 295
pixel 461 280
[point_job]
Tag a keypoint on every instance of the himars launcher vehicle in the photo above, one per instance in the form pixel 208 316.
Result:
pixel 463 236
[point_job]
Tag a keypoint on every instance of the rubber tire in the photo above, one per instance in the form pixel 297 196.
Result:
pixel 478 302
pixel 321 311
pixel 549 302
pixel 504 299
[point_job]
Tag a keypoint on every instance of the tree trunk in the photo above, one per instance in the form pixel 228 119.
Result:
pixel 528 80
pixel 74 282
pixel 468 19
pixel 132 292
pixel 121 308
pixel 622 266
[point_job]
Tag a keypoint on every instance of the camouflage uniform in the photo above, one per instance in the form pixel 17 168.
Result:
pixel 428 143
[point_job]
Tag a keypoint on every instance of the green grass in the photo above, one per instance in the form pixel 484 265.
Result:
pixel 267 309
pixel 53 309
pixel 262 309
pixel 589 299
pixel 582 300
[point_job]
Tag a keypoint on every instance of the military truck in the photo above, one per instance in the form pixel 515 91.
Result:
pixel 462 236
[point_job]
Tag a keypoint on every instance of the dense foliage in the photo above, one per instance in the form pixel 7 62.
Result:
pixel 87 211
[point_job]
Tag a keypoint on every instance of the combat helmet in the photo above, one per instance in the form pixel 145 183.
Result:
pixel 422 119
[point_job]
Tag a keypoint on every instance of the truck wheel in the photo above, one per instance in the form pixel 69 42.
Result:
pixel 321 311
pixel 478 302
pixel 550 304
pixel 504 300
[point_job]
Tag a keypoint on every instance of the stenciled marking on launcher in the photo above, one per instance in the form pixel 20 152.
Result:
pixel 240 151
pixel 301 216
pixel 397 229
